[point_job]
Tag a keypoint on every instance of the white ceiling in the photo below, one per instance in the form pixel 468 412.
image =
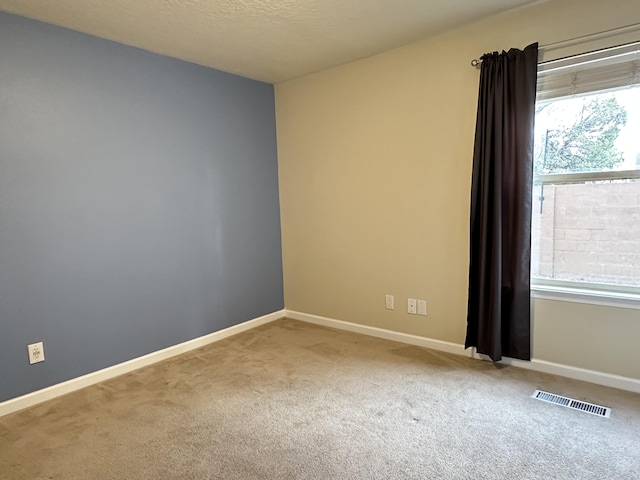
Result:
pixel 268 40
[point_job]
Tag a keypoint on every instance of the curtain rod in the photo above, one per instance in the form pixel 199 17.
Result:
pixel 572 41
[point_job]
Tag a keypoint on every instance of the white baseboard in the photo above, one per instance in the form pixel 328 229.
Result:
pixel 592 376
pixel 381 333
pixel 33 398
pixel 600 378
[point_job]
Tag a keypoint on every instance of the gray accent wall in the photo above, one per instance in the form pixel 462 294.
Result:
pixel 138 203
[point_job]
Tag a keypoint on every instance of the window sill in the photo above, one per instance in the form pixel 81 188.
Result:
pixel 592 297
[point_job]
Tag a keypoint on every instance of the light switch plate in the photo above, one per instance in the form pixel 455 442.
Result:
pixel 422 307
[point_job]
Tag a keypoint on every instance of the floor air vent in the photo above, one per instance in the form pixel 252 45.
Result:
pixel 571 403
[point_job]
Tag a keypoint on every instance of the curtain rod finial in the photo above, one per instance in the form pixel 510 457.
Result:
pixel 476 62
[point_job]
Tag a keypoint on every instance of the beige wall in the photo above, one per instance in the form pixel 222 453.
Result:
pixel 587 336
pixel 375 172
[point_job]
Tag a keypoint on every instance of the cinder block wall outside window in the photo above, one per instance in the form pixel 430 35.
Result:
pixel 587 232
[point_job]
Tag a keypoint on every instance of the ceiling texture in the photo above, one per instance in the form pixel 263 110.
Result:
pixel 267 40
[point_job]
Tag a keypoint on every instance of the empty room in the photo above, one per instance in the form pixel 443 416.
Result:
pixel 286 239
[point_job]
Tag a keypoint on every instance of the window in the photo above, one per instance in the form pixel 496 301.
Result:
pixel 586 192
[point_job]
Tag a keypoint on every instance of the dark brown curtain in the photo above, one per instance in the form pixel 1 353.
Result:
pixel 498 315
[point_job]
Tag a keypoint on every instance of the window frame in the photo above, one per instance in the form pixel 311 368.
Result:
pixel 595 296
pixel 561 54
pixel 626 296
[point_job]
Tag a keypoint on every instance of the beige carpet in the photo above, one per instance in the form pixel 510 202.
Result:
pixel 290 400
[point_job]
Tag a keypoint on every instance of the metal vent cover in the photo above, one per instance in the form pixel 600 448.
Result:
pixel 591 408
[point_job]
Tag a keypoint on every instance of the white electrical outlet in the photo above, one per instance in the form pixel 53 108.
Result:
pixel 36 353
pixel 389 302
pixel 411 306
pixel 422 307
